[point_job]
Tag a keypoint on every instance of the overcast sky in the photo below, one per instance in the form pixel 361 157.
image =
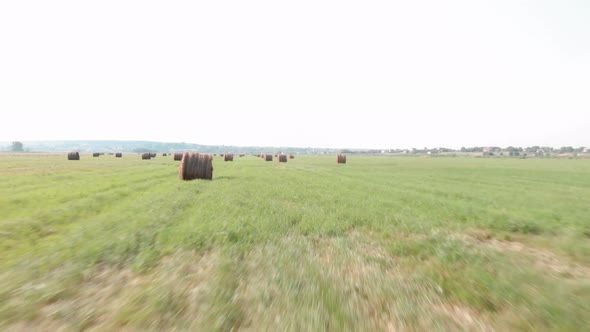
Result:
pixel 359 74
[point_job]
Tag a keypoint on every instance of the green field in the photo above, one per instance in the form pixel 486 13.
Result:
pixel 377 244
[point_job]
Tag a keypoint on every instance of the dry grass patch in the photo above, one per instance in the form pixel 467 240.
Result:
pixel 173 294
pixel 341 283
pixel 544 260
pixel 465 317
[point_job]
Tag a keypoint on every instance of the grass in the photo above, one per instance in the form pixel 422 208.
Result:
pixel 377 244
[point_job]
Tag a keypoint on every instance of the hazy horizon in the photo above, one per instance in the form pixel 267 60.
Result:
pixel 329 74
pixel 7 145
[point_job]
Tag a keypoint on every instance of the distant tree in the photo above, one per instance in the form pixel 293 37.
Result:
pixel 566 149
pixel 514 149
pixel 17 146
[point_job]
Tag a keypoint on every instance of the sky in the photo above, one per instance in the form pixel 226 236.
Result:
pixel 339 74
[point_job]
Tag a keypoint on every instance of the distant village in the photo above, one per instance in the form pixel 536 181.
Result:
pixel 485 151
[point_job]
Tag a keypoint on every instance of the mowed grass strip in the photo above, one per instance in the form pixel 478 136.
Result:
pixel 376 244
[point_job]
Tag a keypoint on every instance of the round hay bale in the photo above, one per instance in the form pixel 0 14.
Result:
pixel 73 156
pixel 228 157
pixel 242 155
pixel 196 166
pixel 96 154
pixel 178 156
pixel 341 158
pixel 268 157
pixel 153 155
pixel 146 156
pixel 205 166
pixel 291 156
pixel 118 155
pixel 186 166
pixel 283 158
pixel 164 154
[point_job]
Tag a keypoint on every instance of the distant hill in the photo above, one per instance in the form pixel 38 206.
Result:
pixel 149 146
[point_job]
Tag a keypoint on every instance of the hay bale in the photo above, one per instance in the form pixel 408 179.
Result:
pixel 196 166
pixel 283 158
pixel 118 155
pixel 153 155
pixel 228 157
pixel 96 154
pixel 291 156
pixel 146 156
pixel 178 156
pixel 242 155
pixel 341 158
pixel 73 156
pixel 164 154
pixel 268 157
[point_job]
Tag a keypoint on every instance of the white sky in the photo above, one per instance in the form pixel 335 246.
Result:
pixel 359 74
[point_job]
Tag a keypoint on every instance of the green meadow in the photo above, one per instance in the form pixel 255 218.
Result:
pixel 377 244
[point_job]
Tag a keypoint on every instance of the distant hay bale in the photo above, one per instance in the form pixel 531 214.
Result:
pixel 283 158
pixel 146 156
pixel 242 155
pixel 96 154
pixel 178 156
pixel 153 155
pixel 118 155
pixel 276 155
pixel 228 157
pixel 73 156
pixel 164 154
pixel 196 166
pixel 291 156
pixel 341 158
pixel 268 157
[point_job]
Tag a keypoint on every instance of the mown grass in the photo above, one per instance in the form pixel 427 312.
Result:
pixel 377 244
